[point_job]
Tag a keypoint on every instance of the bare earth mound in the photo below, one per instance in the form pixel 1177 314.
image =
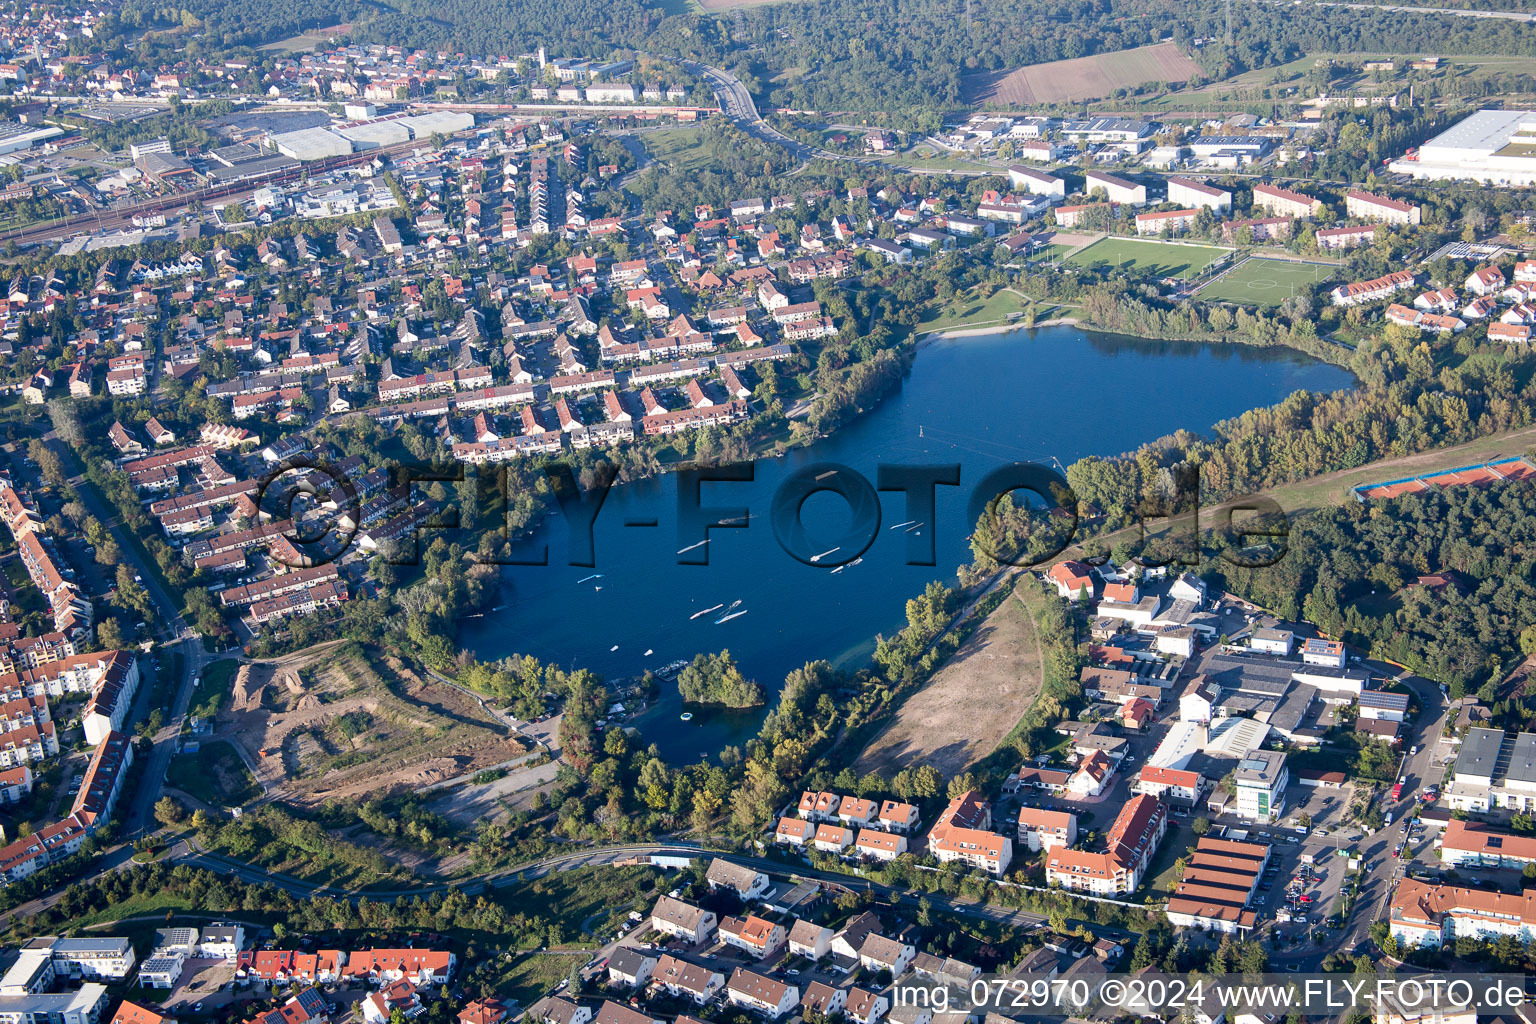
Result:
pixel 970 704
pixel 1083 78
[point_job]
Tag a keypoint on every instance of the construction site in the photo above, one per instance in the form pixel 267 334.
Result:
pixel 344 720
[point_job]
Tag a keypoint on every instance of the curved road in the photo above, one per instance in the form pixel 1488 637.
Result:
pixel 737 104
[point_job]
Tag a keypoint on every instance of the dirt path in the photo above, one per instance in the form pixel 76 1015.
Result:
pixel 972 702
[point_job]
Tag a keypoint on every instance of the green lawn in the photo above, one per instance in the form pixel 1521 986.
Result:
pixel 209 697
pixel 924 158
pixel 683 148
pixel 1149 256
pixel 1265 282
pixel 214 774
pixel 1162 880
pixel 969 311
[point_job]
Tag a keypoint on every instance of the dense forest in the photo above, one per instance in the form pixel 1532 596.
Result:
pixel 1353 570
pixel 901 58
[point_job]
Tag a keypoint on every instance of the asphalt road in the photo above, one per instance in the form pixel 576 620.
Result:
pixel 177 637
pixel 737 104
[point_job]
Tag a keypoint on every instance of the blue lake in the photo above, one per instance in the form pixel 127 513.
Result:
pixel 1018 396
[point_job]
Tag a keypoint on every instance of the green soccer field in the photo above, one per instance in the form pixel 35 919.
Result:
pixel 1149 256
pixel 1264 282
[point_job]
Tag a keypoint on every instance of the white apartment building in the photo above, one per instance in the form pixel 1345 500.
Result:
pixel 1366 206
pixel 1199 195
pixel 1118 189
pixel 1040 829
pixel 93 958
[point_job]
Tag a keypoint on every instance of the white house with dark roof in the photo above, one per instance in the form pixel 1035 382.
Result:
pixel 1035 182
pixel 683 920
pixel 1187 192
pixel 630 968
pixel 823 999
pixel 1382 705
pixel 809 939
pixel 761 994
pixel 879 953
pixel 678 977
pixel 744 881
pixel 1119 190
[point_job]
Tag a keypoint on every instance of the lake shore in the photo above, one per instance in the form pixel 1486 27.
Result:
pixel 650 598
pixel 928 337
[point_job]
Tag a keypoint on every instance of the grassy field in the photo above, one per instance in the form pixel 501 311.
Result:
pixel 1265 282
pixel 215 775
pixel 925 158
pixel 1165 259
pixel 306 41
pixel 211 695
pixel 533 975
pixel 1082 78
pixel 683 148
pixel 971 702
pixel 970 311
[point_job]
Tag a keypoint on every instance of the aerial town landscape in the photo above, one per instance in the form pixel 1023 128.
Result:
pixel 730 511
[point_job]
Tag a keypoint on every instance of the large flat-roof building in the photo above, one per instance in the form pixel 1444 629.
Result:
pixel 1494 769
pixel 1496 147
pixel 15 136
pixel 85 1005
pixel 311 144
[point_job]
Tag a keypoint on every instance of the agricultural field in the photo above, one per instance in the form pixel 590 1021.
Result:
pixel 970 704
pixel 344 720
pixel 1258 281
pixel 1082 78
pixel 1165 259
